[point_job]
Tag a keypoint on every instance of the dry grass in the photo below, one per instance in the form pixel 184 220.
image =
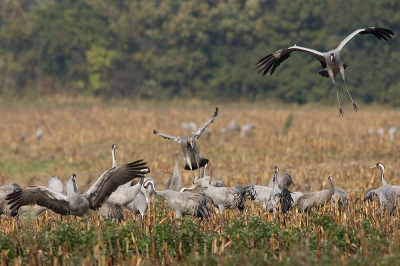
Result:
pixel 78 139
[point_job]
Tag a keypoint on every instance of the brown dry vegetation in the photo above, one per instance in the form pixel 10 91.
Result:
pixel 78 140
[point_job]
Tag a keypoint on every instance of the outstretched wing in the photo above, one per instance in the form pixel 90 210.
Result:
pixel 272 61
pixel 166 136
pixel 111 179
pixel 41 196
pixel 203 127
pixel 379 33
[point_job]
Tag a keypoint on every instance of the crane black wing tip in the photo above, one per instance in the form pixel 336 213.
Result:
pixel 145 170
pixel 216 111
pixel 134 163
pixel 12 197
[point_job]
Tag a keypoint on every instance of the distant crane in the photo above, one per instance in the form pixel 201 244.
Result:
pixel 330 61
pixel 39 133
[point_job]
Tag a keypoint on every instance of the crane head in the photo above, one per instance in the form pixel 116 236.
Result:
pixel 276 169
pixel 114 146
pixel 190 141
pixel 378 165
pixel 147 183
pixel 332 55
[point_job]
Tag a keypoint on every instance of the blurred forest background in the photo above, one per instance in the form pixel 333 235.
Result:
pixel 201 49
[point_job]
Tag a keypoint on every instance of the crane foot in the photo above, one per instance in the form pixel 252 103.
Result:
pixel 355 107
pixel 341 113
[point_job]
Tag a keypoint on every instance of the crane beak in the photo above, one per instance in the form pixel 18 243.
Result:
pixel 374 166
pixel 331 58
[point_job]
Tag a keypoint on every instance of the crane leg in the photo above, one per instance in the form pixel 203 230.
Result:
pixel 337 94
pixel 345 86
pixel 341 113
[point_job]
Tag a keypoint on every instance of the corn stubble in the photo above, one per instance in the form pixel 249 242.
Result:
pixel 78 140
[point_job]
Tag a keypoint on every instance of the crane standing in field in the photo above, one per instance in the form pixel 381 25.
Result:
pixel 183 202
pixel 330 61
pixel 174 182
pixel 386 194
pixel 317 198
pixel 189 146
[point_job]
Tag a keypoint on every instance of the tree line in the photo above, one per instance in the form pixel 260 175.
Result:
pixel 205 49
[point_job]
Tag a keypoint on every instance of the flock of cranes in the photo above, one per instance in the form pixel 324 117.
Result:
pixel 116 190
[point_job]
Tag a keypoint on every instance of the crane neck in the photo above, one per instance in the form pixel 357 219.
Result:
pixel 114 162
pixel 331 186
pixel 382 177
pixel 75 186
pixel 152 187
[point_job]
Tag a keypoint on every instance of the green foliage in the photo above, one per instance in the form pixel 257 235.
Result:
pixel 79 237
pixel 205 49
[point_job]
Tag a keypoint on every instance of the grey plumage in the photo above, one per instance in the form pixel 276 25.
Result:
pixel 246 130
pixel 279 195
pixel 125 195
pixel 39 133
pixel 371 194
pixel 75 203
pixel 55 184
pixel 330 61
pixel 114 161
pixel 112 210
pixel 284 181
pixel 189 146
pixel 223 197
pixel 174 182
pixel 139 204
pixel 183 203
pixel 233 126
pixel 275 194
pixel 342 197
pixel 4 192
pixel 306 189
pixel 259 194
pixel 386 194
pixel 317 198
pixel 206 179
pixel 392 132
pixel 295 197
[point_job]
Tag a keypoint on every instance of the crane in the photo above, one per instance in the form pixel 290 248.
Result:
pixel 75 203
pixel 331 62
pixel 386 194
pixel 189 146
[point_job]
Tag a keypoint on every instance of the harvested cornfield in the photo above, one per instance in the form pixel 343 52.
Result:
pixel 308 144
